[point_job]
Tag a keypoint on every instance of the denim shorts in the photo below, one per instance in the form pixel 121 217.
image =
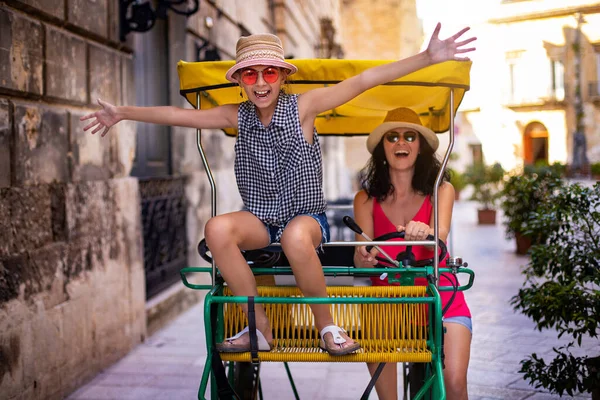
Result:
pixel 275 232
pixel 464 321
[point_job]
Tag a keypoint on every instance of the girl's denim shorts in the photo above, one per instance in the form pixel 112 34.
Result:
pixel 275 232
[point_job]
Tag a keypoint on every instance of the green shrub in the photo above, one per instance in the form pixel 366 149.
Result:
pixel 561 287
pixel 559 168
pixel 487 183
pixel 457 180
pixel 523 192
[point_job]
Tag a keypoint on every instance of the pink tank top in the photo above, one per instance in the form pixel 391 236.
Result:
pixel 382 225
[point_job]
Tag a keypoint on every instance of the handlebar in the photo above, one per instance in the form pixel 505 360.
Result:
pixel 409 259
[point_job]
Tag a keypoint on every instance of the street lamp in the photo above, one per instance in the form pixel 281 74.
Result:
pixel 579 142
pixel 139 16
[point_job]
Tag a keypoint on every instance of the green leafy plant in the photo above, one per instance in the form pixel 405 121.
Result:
pixel 487 183
pixel 595 169
pixel 457 180
pixel 559 168
pixel 561 287
pixel 523 191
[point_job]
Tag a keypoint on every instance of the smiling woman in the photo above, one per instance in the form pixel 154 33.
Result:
pixel 398 183
pixel 405 118
pixel 401 152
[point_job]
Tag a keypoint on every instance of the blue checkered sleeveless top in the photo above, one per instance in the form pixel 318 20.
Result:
pixel 278 173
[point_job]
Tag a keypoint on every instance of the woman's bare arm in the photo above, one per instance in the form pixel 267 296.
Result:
pixel 445 206
pixel 316 101
pixel 363 215
pixel 218 118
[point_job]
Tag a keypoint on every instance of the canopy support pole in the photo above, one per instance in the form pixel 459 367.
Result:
pixel 213 186
pixel 438 181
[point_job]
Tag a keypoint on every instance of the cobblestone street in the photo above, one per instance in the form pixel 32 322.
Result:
pixel 169 364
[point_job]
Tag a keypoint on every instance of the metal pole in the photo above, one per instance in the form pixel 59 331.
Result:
pixel 213 186
pixel 451 239
pixel 580 160
pixel 438 181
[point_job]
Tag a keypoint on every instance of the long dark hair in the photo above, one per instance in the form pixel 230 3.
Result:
pixel 375 176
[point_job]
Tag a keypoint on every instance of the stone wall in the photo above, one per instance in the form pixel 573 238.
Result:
pixel 72 297
pixel 380 30
pixel 71 270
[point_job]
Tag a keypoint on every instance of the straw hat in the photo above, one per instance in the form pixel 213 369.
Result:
pixel 401 118
pixel 260 49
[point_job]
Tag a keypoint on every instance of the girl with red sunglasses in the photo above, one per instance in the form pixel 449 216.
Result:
pixel 278 168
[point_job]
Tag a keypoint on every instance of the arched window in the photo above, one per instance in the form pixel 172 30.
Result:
pixel 535 143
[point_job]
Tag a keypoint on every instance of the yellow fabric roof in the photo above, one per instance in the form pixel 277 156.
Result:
pixel 426 91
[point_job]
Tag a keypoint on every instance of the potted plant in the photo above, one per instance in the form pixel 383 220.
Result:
pixel 523 191
pixel 458 181
pixel 486 181
pixel 561 289
pixel 595 171
pixel 559 168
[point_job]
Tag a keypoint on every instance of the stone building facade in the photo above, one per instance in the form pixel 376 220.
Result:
pixel 377 30
pixel 72 255
pixel 522 108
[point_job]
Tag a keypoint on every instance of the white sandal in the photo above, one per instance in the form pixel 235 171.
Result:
pixel 338 340
pixel 228 347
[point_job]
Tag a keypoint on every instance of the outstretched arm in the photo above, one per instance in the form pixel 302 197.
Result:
pixel 218 118
pixel 323 99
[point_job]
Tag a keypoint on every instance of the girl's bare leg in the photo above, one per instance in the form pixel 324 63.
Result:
pixel 226 235
pixel 387 384
pixel 457 351
pixel 299 240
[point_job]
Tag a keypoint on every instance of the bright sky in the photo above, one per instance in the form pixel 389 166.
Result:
pixel 453 14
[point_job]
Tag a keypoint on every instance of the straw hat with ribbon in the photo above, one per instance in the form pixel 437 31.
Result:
pixel 259 49
pixel 401 118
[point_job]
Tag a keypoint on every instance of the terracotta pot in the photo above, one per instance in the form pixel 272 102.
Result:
pixel 486 217
pixel 523 243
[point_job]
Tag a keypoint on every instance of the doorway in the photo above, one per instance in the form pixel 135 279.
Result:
pixel 535 144
pixel 162 195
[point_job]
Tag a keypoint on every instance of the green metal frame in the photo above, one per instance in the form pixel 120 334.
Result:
pixel 336 271
pixel 434 383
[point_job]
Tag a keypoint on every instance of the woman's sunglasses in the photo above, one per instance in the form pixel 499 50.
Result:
pixel 250 76
pixel 394 137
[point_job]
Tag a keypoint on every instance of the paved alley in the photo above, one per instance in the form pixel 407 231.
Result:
pixel 169 364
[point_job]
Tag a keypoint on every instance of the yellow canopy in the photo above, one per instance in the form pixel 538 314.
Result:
pixel 426 91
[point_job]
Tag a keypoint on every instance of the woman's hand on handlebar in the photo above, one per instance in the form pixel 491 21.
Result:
pixel 415 230
pixel 365 259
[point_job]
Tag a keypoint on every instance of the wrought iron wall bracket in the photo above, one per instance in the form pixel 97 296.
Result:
pixel 140 16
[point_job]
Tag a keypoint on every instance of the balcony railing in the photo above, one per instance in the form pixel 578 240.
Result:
pixel 530 98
